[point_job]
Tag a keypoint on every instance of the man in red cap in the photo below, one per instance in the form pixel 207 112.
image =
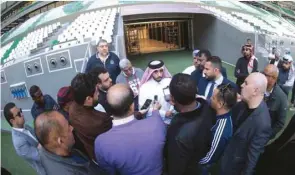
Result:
pixel 64 99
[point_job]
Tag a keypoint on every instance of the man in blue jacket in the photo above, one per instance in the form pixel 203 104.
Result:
pixel 106 59
pixel 223 99
pixel 201 58
pixel 213 77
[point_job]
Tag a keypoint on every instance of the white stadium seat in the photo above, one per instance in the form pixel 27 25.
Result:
pixel 90 25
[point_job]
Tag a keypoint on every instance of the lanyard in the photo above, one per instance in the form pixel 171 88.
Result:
pixel 135 77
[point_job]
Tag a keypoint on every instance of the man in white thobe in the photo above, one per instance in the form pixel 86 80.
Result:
pixel 155 81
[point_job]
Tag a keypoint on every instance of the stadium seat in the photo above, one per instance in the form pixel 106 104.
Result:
pixel 90 25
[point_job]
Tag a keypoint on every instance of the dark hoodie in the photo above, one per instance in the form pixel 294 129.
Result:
pixel 188 139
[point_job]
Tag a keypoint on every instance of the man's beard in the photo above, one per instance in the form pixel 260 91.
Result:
pixel 158 79
pixel 247 55
pixel 210 78
pixel 176 109
pixel 95 103
pixel 104 88
pixel 40 103
pixel 285 68
pixel 200 67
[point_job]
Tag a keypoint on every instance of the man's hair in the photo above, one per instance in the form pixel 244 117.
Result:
pixel 82 86
pixel 46 125
pixel 101 41
pixel 248 39
pixel 215 61
pixel 204 52
pixel 95 72
pixel 124 63
pixel 121 107
pixel 227 94
pixel 183 88
pixel 33 90
pixel 7 113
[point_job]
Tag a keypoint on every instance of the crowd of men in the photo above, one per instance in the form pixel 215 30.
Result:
pixel 118 119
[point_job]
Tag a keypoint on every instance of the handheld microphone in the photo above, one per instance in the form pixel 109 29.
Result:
pixel 155 98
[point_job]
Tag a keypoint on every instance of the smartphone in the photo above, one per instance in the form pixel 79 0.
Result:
pixel 146 104
pixel 166 92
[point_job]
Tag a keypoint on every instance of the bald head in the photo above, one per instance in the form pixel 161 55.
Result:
pixel 271 70
pixel 120 98
pixel 271 73
pixel 53 131
pixel 260 81
pixel 254 87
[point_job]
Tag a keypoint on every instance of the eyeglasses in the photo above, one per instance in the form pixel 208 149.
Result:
pixel 130 69
pixel 19 114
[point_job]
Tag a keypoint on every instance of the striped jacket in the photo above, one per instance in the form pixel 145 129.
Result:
pixel 222 131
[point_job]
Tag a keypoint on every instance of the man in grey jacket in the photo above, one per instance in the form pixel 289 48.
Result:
pixel 57 156
pixel 275 98
pixel 131 76
pixel 23 137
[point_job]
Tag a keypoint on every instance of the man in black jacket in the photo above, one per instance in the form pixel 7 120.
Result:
pixel 252 129
pixel 278 157
pixel 188 136
pixel 104 58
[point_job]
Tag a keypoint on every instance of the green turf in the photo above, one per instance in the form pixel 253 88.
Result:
pixel 175 62
pixel 9 160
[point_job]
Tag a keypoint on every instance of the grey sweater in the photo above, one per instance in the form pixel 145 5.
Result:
pixel 133 81
pixel 76 164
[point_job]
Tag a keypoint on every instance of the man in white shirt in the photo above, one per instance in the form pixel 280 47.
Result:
pixel 155 81
pixel 23 137
pixel 286 74
pixel 192 68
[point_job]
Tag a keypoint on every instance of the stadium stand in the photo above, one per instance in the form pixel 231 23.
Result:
pixel 4 49
pixel 34 40
pixel 251 23
pixel 91 25
pixel 91 22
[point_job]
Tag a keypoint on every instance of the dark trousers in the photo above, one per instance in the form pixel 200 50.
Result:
pixel 204 169
pixel 136 105
pixel 293 94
